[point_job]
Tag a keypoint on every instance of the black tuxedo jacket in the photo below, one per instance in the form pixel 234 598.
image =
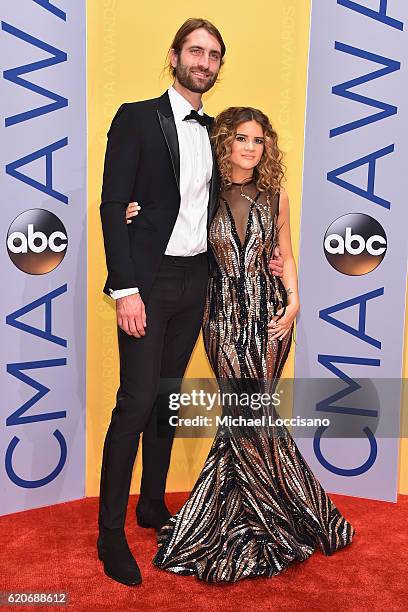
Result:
pixel 142 164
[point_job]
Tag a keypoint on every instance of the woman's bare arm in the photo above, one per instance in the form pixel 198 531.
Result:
pixel 281 326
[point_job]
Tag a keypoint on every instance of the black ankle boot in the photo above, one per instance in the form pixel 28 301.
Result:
pixel 152 513
pixel 119 563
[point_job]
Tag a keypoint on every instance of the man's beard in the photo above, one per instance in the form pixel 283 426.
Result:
pixel 187 80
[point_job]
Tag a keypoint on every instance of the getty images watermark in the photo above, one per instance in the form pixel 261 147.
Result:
pixel 209 401
pixel 330 407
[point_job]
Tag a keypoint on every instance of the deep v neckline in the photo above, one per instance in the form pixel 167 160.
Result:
pixel 241 245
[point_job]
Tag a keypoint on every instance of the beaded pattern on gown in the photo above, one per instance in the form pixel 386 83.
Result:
pixel 256 506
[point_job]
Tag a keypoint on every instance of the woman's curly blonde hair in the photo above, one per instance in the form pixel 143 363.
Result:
pixel 270 171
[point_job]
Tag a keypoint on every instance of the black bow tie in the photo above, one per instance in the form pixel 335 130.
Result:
pixel 202 119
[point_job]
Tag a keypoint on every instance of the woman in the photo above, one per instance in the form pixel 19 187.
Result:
pixel 256 505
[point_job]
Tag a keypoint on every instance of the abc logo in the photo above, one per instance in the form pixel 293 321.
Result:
pixel 355 244
pixel 37 241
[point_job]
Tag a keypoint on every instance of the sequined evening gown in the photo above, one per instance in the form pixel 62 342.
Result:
pixel 256 505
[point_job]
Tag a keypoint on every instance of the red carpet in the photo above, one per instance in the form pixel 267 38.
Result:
pixel 53 549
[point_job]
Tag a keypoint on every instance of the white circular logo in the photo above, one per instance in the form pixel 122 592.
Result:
pixel 37 241
pixel 355 244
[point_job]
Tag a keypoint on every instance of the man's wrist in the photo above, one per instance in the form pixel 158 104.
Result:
pixel 118 293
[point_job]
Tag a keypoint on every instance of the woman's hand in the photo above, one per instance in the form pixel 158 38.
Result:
pixel 282 326
pixel 132 210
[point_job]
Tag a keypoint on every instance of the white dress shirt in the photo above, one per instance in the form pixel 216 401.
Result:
pixel 189 235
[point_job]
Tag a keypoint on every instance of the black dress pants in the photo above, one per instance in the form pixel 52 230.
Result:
pixel 174 312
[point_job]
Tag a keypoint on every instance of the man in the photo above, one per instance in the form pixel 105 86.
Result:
pixel 158 154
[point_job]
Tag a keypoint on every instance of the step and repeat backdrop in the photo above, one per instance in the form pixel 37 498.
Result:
pixel 353 252
pixel 44 248
pixel 331 75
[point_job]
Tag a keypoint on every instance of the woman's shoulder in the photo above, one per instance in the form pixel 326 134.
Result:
pixel 278 199
pixel 273 195
pixel 279 193
pixel 283 196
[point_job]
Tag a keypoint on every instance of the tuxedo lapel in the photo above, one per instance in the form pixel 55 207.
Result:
pixel 214 184
pixel 168 127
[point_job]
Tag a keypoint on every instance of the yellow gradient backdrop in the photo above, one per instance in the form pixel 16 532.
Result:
pixel 266 67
